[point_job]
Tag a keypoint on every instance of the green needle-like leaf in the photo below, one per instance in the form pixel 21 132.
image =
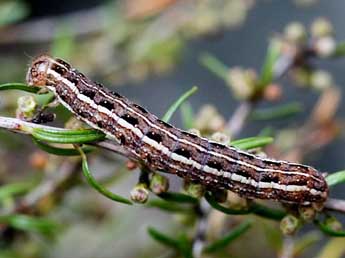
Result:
pixel 267 212
pixel 187 115
pixel 226 240
pixel 251 142
pixel 182 245
pixel 19 86
pixel 167 116
pixel 336 178
pixel 210 199
pixel 168 206
pixel 215 66
pixel 61 151
pixel 67 136
pixel 178 197
pixel 255 208
pixel 329 231
pixel 267 73
pixel 93 182
pixel 12 12
pixel 340 50
pixel 28 223
pixel 279 112
pixel 163 238
pixel 14 188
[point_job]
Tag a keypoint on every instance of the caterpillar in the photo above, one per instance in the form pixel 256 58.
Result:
pixel 163 147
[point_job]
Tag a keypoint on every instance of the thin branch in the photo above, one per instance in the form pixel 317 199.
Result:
pixel 239 118
pixel 17 125
pixel 287 248
pixel 202 226
pixel 66 170
pixel 335 205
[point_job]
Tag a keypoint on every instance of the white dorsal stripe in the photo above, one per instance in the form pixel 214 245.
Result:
pixel 174 156
pixel 105 94
pixel 75 90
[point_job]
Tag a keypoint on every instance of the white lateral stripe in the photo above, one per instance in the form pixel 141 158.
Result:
pixel 72 86
pixel 174 156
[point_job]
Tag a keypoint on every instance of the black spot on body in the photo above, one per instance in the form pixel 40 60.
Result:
pixel 154 136
pixel 73 78
pixel 239 172
pixel 107 104
pixel 183 152
pixel 116 94
pixel 248 156
pixel 215 165
pixel 60 61
pixel 100 124
pixel 122 139
pixel 99 85
pixel 88 93
pixel 266 177
pixel 164 123
pixel 191 135
pixel 271 163
pixel 320 186
pixel 59 69
pixel 84 114
pixel 128 118
pixel 143 110
pixel 64 97
pixel 217 145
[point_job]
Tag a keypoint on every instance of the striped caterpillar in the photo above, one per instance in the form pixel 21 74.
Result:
pixel 161 146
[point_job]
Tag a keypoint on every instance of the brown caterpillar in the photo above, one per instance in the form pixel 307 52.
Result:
pixel 161 146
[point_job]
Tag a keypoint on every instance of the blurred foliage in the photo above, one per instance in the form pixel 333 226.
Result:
pixel 130 41
pixel 12 11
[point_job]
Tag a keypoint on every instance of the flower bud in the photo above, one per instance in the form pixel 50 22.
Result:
pixel 139 193
pixel 321 27
pixel 26 107
pixel 259 152
pixel 38 160
pixel 307 213
pixel 273 92
pixel 289 225
pixel 159 184
pixel 242 82
pixel 333 223
pixel 221 138
pixel 194 131
pixel 195 190
pixel 286 139
pixel 295 32
pixel 321 80
pixel 208 119
pixel 131 165
pixel 325 47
